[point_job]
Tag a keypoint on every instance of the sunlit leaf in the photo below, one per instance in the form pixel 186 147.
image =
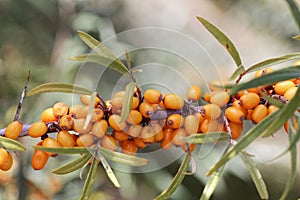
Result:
pixel 206 138
pixel 66 150
pixel 73 165
pixel 58 87
pixel 11 144
pixel 122 158
pixel 268 79
pixel 127 103
pixel 256 176
pixel 178 178
pixel 89 182
pixel 111 175
pixel 101 60
pixel 237 72
pixel 296 37
pixel 223 39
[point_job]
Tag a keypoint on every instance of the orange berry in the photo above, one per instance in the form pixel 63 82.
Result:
pixel 3 156
pixel 37 129
pixel 81 112
pixel 282 86
pixel 214 83
pixel 115 122
pixel 207 96
pixel 249 114
pixel 117 102
pixel 158 132
pixel 290 93
pixel 75 109
pixel 168 137
pixel 263 72
pixel 129 147
pixel 79 126
pixel 148 134
pixel 254 90
pixel 65 139
pixel 99 128
pixel 39 159
pixel 121 136
pixel 146 109
pixel 175 121
pixel 191 124
pixel 249 100
pixel 135 117
pixel 8 163
pixel 153 96
pixel 66 122
pixel 178 134
pixel 237 104
pixel 135 130
pixel 211 111
pixel 109 142
pixel 272 109
pixel 286 124
pixel 193 93
pixel 85 140
pixel 209 126
pixel 13 130
pixel 173 101
pixel 234 114
pixel 60 109
pixel 86 99
pixel 48 115
pixel 52 143
pixel 236 129
pixel 220 98
pixel 259 113
pixel 139 142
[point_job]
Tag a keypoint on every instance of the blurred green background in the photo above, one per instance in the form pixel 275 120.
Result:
pixel 40 36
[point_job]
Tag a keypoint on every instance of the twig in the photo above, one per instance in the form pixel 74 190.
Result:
pixel 23 95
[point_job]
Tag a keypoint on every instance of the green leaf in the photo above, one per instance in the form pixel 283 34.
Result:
pixel 266 127
pixel 90 110
pixel 73 165
pixel 272 100
pixel 66 150
pixel 293 172
pixel 11 144
pixel 268 79
pixel 101 60
pixel 296 37
pixel 256 176
pixel 127 103
pixel 295 11
pixel 100 49
pixel 223 39
pixel 237 72
pixel 206 138
pixel 122 158
pixel 273 61
pixel 178 178
pixel 89 182
pixel 58 87
pixel 111 175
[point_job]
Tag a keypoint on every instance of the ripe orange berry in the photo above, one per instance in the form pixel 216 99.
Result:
pixel 74 109
pixel 121 135
pixel 109 142
pixel 153 96
pixel 209 126
pixel 178 134
pixel 139 142
pixel 272 109
pixel 207 96
pixel 282 86
pixel 86 99
pixel 259 113
pixel 65 139
pixel 60 109
pixel 135 130
pixel 236 129
pixel 129 147
pixel 263 72
pixel 173 101
pixel 39 159
pixel 3 156
pixel 66 122
pixel 115 122
pixel 79 126
pixel 234 114
pixel 81 112
pixel 117 102
pixel 290 93
pixel 286 124
pixel 237 104
pixel 214 83
pixel 8 163
pixel 48 115
pixel 99 113
pixel 52 143
pixel 37 129
pixel 13 130
pixel 85 140
pixel 148 134
pixel 249 114
pixel 168 137
pixel 158 132
pixel 99 128
pixel 135 117
pixel 220 98
pixel 211 111
pixel 146 109
pixel 193 93
pixel 191 124
pixel 175 121
pixel 254 90
pixel 249 100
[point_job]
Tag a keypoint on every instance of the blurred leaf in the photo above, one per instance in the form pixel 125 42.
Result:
pixel 237 72
pixel 73 165
pixel 100 49
pixel 89 182
pixel 256 176
pixel 101 60
pixel 224 40
pixel 296 37
pixel 90 110
pixel 122 158
pixel 127 103
pixel 293 172
pixel 273 61
pixel 268 79
pixel 58 87
pixel 66 150
pixel 178 178
pixel 11 144
pixel 295 11
pixel 111 175
pixel 206 138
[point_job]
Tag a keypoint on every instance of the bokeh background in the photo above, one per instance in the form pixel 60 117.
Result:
pixel 40 36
